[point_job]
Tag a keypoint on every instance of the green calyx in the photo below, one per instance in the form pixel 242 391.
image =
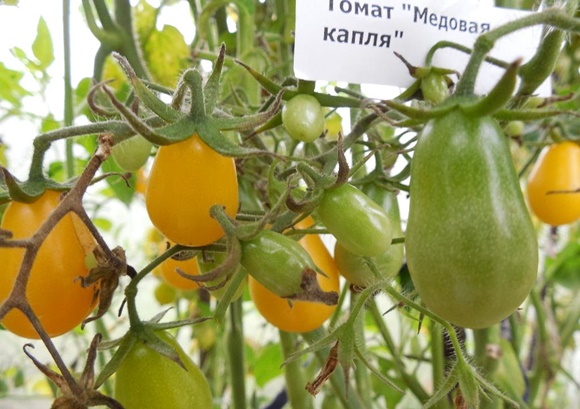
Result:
pixel 27 191
pixel 198 116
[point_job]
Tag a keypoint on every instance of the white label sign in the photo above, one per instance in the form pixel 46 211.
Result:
pixel 355 40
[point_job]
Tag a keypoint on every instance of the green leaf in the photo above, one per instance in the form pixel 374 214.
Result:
pixel 3 160
pixel 10 88
pixel 103 224
pixel 267 365
pixel 56 171
pixel 392 396
pixel 563 269
pixel 167 55
pixel 145 19
pixel 119 186
pixel 42 46
pixel 89 142
pixel 49 124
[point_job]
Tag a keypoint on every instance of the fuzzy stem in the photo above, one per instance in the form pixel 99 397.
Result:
pixel 485 340
pixel 294 374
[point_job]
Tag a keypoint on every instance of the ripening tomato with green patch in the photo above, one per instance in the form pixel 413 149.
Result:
pixel 187 178
pixel 359 224
pixel 554 183
pixel 301 316
pixel 303 118
pixel 53 291
pixel 471 247
pixel 147 379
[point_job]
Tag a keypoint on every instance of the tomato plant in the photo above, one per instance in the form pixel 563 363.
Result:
pixel 145 376
pixel 358 223
pixel 303 118
pixel 187 178
pixel 553 184
pixel 223 108
pixel 471 247
pixel 60 260
pixel 299 316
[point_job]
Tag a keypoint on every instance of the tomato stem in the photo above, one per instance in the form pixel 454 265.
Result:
pixel 399 364
pixel 438 362
pixel 294 375
pixel 555 17
pixel 68 101
pixel 236 354
pixel 361 373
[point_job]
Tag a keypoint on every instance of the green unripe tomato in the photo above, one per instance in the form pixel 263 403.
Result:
pixel 303 118
pixel 434 88
pixel 514 129
pixel 146 379
pixel 359 224
pixel 471 247
pixel 353 267
pixel 276 261
pixel 131 154
pixel 165 294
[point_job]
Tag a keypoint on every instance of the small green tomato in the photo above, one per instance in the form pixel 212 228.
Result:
pixel 303 118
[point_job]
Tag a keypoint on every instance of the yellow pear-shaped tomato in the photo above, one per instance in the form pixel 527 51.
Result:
pixel 301 316
pixel 59 302
pixel 552 183
pixel 187 178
